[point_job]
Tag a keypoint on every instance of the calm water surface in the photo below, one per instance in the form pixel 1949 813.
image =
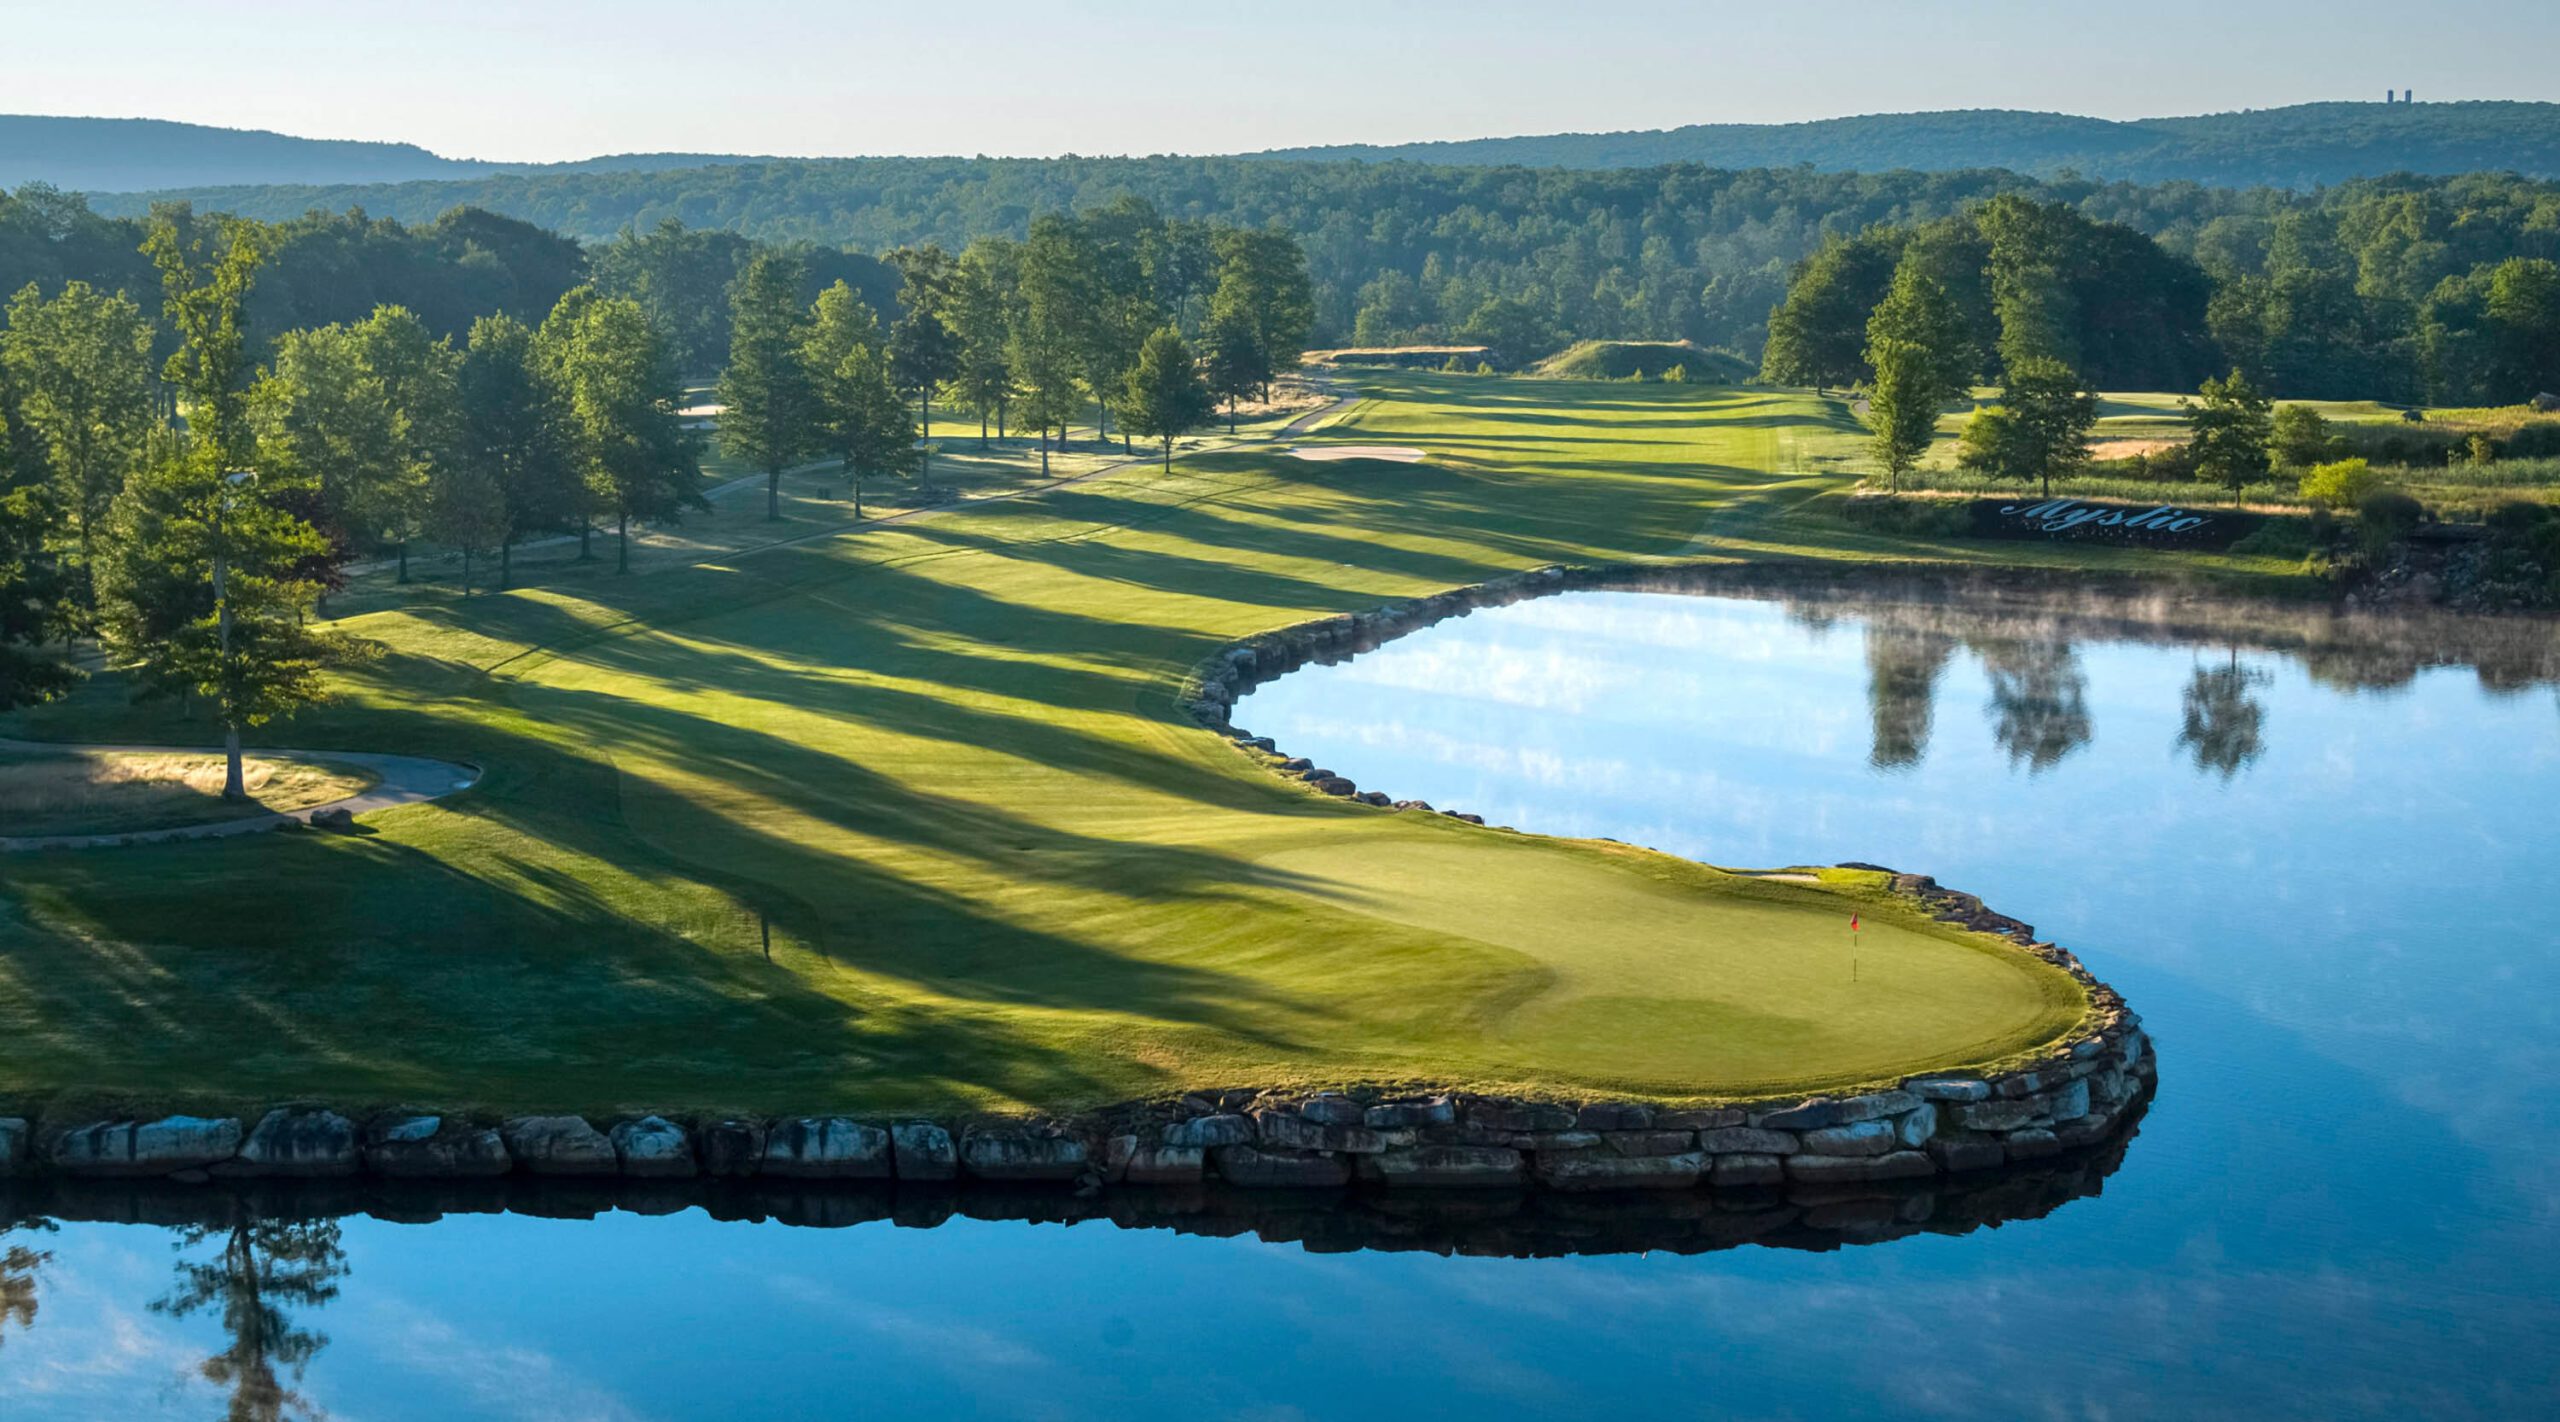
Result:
pixel 2325 884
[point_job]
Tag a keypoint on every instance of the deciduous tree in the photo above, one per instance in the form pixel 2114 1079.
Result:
pixel 80 365
pixel 1165 397
pixel 619 384
pixel 1916 345
pixel 2233 425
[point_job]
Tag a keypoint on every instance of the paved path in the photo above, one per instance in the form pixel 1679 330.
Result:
pixel 403 780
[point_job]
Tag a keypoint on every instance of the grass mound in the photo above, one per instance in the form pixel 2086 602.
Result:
pixel 1620 360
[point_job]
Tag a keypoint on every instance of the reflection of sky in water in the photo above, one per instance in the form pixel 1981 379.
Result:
pixel 2343 929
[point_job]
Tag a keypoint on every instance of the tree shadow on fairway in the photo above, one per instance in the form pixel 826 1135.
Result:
pixel 543 952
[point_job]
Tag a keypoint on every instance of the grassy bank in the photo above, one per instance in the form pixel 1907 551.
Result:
pixel 906 818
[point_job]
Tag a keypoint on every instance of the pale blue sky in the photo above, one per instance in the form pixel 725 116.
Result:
pixel 571 79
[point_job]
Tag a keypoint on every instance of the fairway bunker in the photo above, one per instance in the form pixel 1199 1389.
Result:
pixel 1392 453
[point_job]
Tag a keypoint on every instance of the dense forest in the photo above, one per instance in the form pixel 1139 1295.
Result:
pixel 1399 253
pixel 2302 146
pixel 2405 290
pixel 2322 290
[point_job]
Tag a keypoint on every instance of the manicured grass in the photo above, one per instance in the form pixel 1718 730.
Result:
pixel 44 793
pixel 907 819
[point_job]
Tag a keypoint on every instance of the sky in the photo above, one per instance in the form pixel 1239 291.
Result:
pixel 534 81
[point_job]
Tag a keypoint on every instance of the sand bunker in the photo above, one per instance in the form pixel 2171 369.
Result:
pixel 1400 454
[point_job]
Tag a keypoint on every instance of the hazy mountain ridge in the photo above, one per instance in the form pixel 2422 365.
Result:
pixel 123 155
pixel 2304 145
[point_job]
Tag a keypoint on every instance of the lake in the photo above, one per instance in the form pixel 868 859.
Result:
pixel 2314 853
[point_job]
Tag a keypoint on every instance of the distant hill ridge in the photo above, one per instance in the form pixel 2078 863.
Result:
pixel 2305 145
pixel 123 155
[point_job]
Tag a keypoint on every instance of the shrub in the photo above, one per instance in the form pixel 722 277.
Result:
pixel 2521 518
pixel 2302 437
pixel 2340 484
pixel 1927 518
pixel 2385 517
pixel 1676 375
pixel 2480 449
pixel 2278 537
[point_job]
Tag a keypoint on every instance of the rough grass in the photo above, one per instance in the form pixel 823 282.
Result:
pixel 107 793
pixel 907 819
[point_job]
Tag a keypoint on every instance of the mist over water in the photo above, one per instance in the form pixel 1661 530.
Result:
pixel 2316 864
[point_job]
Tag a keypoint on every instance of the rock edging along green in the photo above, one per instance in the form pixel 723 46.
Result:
pixel 2077 1094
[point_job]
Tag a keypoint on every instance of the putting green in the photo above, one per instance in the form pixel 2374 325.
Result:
pixel 908 819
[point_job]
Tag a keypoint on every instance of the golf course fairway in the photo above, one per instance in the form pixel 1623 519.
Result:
pixel 909 819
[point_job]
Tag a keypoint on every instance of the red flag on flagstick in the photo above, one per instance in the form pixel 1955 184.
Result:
pixel 1853 923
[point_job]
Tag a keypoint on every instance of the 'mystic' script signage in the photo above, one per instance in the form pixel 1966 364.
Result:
pixel 2156 525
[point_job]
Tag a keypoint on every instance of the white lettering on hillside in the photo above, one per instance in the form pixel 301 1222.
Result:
pixel 2064 515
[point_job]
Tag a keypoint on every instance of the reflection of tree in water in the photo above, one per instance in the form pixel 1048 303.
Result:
pixel 1903 664
pixel 263 1266
pixel 2039 699
pixel 18 1266
pixel 2225 725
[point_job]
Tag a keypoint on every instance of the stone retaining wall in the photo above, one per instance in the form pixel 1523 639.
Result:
pixel 1924 1126
pixel 1488 1223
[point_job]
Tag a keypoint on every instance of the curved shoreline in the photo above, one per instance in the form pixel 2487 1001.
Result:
pixel 2075 1092
pixel 401 780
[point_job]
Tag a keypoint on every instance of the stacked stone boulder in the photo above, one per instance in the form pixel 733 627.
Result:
pixel 2073 1096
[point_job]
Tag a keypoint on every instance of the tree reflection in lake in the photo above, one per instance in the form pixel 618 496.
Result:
pixel 263 1265
pixel 18 1266
pixel 2039 705
pixel 1903 665
pixel 2225 726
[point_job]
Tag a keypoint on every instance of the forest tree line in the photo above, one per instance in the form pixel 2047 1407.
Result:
pixel 1518 258
pixel 2444 296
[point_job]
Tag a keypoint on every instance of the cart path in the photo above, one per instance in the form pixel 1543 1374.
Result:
pixel 403 780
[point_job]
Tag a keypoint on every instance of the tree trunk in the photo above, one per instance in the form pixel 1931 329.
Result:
pixel 404 560
pixel 506 562
pixel 855 477
pixel 466 570
pixel 772 495
pixel 1044 451
pixel 1231 412
pixel 622 544
pixel 982 429
pixel 924 412
pixel 586 531
pixel 235 786
pixel 1168 454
